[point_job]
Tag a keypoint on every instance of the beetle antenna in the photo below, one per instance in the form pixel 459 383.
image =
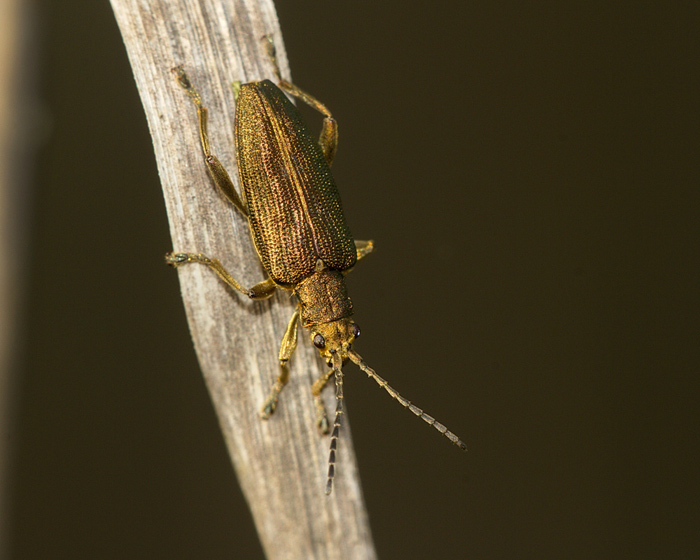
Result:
pixel 339 411
pixel 357 359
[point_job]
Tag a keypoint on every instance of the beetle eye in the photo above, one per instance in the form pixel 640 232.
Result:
pixel 355 330
pixel 319 341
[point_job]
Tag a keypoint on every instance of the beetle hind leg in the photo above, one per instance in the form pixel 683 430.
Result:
pixel 217 171
pixel 329 132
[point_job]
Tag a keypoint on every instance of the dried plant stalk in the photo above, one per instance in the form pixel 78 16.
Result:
pixel 281 463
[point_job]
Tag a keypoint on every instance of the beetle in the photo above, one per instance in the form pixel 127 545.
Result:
pixel 299 231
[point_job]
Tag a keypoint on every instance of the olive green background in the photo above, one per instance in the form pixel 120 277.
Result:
pixel 530 176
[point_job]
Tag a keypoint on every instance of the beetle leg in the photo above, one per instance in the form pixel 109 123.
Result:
pixel 217 171
pixel 289 344
pixel 262 290
pixel 329 138
pixel 236 86
pixel 316 389
pixel 329 133
pixel 364 248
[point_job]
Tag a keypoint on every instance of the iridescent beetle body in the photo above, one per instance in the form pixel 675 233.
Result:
pixel 299 230
pixel 294 208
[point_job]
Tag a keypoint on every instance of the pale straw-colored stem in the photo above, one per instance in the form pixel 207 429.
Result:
pixel 281 463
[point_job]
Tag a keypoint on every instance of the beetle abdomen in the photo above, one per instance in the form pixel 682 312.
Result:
pixel 294 206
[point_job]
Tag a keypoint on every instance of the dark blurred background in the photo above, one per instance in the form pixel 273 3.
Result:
pixel 530 175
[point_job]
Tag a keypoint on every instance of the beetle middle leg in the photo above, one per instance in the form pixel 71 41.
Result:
pixel 364 248
pixel 217 171
pixel 261 290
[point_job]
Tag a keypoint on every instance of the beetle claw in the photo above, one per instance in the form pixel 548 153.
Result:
pixel 323 424
pixel 268 409
pixel 176 259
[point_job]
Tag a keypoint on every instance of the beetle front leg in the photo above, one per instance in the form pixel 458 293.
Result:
pixel 321 414
pixel 289 344
pixel 262 290
pixel 217 171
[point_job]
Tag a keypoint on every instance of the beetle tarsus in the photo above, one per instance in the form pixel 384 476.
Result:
pixel 321 416
pixel 268 409
pixel 176 259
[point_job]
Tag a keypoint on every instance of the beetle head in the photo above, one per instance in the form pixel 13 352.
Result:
pixel 335 337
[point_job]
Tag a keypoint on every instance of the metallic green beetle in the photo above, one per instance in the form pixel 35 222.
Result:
pixel 299 230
